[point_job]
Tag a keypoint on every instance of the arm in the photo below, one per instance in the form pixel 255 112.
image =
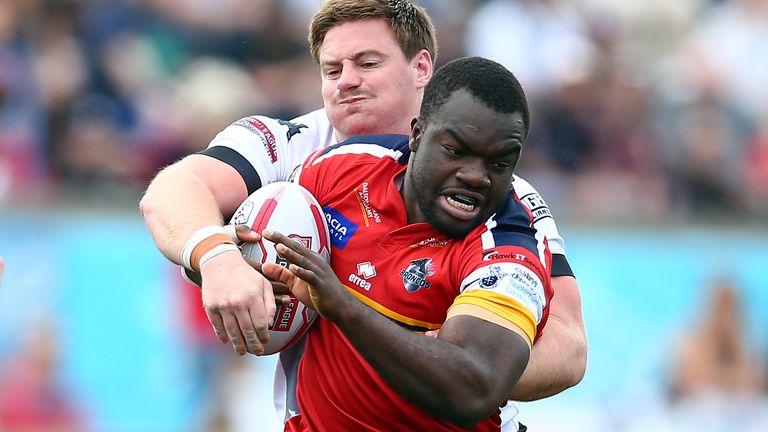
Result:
pixel 559 356
pixel 462 376
pixel 207 189
pixel 204 187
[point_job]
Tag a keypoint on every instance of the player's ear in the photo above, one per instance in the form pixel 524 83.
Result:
pixel 423 65
pixel 415 137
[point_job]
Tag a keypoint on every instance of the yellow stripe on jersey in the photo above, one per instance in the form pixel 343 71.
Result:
pixel 392 314
pixel 503 310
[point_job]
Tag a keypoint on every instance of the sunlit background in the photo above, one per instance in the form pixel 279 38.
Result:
pixel 649 142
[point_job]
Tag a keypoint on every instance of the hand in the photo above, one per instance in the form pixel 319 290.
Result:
pixel 244 234
pixel 238 301
pixel 327 295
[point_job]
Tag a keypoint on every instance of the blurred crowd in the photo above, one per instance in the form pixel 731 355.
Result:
pixel 643 111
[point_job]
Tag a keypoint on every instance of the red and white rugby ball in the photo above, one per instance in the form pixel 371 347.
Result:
pixel 290 209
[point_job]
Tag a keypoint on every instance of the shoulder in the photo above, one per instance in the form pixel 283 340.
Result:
pixel 531 198
pixel 369 147
pixel 311 127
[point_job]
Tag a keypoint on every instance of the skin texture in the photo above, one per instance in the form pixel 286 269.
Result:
pixel 211 190
pixel 473 156
pixel 465 373
pixel 367 81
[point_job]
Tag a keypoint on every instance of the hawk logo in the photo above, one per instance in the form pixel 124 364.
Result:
pixel 293 128
pixel 415 276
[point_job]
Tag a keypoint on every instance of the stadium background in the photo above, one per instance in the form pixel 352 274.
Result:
pixel 649 143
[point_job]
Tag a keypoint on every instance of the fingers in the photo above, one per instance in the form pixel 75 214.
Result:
pixel 253 335
pixel 276 272
pixel 233 333
pixel 218 326
pixel 282 300
pixel 246 235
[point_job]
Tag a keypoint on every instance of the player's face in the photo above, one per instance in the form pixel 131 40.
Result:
pixel 462 164
pixel 368 85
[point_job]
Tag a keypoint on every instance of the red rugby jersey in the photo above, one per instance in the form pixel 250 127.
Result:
pixel 409 273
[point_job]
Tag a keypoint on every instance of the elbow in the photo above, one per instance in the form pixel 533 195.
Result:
pixel 578 364
pixel 473 407
pixel 468 413
pixel 148 207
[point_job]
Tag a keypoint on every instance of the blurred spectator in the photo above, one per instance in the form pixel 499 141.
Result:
pixel 615 90
pixel 727 50
pixel 718 380
pixel 2 269
pixel 707 149
pixel 714 357
pixel 31 397
pixel 538 40
pixel 755 167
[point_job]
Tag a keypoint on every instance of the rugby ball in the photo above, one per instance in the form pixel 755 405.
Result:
pixel 290 209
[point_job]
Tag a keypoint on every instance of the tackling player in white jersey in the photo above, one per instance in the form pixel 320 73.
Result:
pixel 375 57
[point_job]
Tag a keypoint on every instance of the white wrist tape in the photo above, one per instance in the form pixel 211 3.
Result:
pixel 231 231
pixel 220 249
pixel 195 239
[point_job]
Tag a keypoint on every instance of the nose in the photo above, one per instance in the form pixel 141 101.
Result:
pixel 349 79
pixel 474 174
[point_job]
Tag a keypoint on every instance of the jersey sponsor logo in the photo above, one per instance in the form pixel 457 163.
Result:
pixel 415 276
pixel 496 255
pixel 513 280
pixel 537 206
pixel 340 228
pixel 293 128
pixel 431 242
pixel 267 137
pixel 368 211
pixel 493 255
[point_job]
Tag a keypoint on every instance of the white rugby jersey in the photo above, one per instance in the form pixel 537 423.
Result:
pixel 265 150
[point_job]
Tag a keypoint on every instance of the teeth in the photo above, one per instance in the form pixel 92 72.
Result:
pixel 461 205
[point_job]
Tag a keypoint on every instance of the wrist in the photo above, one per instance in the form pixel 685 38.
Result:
pixel 204 244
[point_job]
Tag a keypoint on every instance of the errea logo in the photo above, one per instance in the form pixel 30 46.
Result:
pixel 365 270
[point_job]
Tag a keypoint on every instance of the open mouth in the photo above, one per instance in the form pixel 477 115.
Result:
pixel 462 202
pixel 462 206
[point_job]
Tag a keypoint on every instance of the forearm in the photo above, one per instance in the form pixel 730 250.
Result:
pixel 559 357
pixel 442 377
pixel 173 189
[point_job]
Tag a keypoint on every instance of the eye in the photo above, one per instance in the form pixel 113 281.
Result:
pixel 502 165
pixel 369 64
pixel 452 150
pixel 331 72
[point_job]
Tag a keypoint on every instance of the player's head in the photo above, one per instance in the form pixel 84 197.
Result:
pixel 375 57
pixel 465 145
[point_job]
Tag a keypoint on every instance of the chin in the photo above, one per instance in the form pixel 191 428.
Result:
pixel 453 230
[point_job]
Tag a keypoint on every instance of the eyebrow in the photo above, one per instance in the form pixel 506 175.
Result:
pixel 355 56
pixel 463 144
